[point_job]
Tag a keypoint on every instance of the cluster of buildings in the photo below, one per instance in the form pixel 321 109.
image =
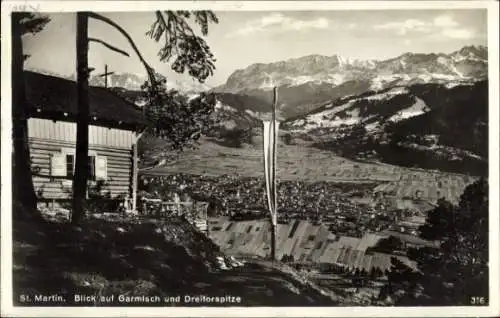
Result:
pixel 244 197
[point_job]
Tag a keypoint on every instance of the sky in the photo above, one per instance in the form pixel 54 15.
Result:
pixel 242 38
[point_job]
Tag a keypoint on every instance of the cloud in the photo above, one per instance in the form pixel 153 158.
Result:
pixel 439 27
pixel 280 22
pixel 272 19
pixel 320 23
pixel 351 26
pixel 445 21
pixel 458 33
pixel 403 27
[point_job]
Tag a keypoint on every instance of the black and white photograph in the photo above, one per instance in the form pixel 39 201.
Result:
pixel 250 158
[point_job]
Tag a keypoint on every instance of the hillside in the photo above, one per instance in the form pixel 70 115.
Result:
pixel 433 126
pixel 140 258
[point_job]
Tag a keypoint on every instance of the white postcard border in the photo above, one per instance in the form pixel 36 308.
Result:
pixel 70 6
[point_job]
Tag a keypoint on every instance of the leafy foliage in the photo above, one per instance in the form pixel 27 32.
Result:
pixel 388 245
pixel 235 137
pixel 401 279
pixel 177 118
pixel 440 220
pixel 30 22
pixel 458 270
pixel 191 51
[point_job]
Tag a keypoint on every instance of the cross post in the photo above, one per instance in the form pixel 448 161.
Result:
pixel 105 75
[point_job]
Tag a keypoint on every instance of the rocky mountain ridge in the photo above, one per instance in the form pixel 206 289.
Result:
pixel 305 82
pixel 466 63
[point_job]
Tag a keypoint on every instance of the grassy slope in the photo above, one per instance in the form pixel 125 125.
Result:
pixel 458 118
pixel 133 257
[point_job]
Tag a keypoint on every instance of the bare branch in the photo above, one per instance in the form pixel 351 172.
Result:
pixel 149 69
pixel 109 46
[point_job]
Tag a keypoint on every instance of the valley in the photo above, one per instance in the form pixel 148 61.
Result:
pixel 302 162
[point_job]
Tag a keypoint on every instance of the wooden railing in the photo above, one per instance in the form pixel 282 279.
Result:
pixel 164 209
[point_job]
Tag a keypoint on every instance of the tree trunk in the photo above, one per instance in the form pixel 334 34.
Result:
pixel 80 177
pixel 135 172
pixel 23 191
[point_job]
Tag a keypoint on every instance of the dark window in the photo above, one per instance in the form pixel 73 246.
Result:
pixel 249 228
pixel 229 226
pixel 91 167
pixel 70 165
pixel 311 238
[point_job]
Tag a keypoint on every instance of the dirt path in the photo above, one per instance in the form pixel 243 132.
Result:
pixel 261 283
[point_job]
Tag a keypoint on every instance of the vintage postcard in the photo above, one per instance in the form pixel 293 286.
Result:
pixel 250 159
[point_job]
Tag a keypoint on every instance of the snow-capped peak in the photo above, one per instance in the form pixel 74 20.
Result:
pixel 133 81
pixel 469 62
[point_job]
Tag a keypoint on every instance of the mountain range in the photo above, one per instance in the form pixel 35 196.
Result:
pixel 418 110
pixel 468 62
pixel 131 81
pixel 306 81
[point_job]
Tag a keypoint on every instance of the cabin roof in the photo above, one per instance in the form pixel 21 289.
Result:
pixel 56 98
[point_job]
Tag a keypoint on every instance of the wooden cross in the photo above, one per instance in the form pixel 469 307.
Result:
pixel 105 75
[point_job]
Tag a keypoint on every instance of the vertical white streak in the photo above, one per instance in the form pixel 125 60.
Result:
pixel 266 143
pixel 270 156
pixel 275 155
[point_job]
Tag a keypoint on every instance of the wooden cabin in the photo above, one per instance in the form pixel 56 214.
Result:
pixel 115 125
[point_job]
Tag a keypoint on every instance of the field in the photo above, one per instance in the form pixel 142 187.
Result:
pixel 301 162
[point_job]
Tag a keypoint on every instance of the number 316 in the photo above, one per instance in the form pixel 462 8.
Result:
pixel 478 301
